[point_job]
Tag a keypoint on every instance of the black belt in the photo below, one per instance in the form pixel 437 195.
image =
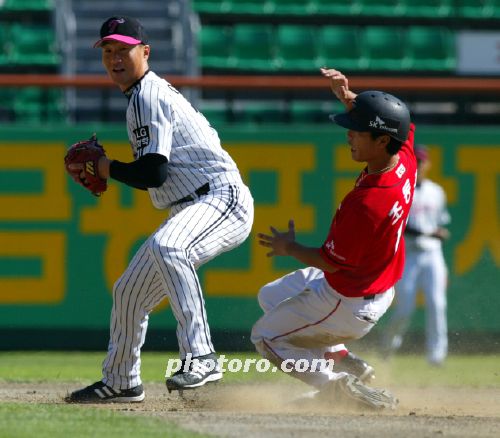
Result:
pixel 369 297
pixel 200 191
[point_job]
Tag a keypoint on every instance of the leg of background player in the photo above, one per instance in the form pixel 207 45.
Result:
pixel 434 284
pixel 406 290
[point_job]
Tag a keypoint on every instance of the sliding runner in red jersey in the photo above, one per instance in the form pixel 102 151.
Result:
pixel 348 283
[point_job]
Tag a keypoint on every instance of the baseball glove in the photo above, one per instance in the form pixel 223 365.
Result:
pixel 81 164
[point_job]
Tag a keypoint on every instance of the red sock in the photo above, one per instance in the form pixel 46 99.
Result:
pixel 337 356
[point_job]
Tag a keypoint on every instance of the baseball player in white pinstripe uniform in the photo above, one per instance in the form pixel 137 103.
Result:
pixel 425 267
pixel 178 158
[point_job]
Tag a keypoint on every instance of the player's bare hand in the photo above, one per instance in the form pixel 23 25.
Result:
pixel 339 85
pixel 338 82
pixel 278 241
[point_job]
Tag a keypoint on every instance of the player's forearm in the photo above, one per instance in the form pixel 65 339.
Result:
pixel 345 96
pixel 148 171
pixel 308 256
pixel 103 167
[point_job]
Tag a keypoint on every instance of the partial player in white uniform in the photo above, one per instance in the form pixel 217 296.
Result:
pixel 180 161
pixel 425 267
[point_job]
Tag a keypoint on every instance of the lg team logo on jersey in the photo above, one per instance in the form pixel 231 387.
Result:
pixel 141 138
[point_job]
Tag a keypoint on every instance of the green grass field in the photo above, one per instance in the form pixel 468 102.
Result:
pixel 46 421
pixel 60 420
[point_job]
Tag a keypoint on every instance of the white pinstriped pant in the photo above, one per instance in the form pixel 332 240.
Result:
pixel 165 266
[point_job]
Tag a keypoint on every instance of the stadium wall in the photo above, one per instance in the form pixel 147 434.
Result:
pixel 61 249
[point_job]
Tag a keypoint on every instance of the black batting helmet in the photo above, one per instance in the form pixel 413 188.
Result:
pixel 377 111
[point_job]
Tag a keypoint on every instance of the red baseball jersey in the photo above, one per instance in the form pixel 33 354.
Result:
pixel 365 242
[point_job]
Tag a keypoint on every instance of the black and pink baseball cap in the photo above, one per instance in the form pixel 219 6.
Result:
pixel 124 29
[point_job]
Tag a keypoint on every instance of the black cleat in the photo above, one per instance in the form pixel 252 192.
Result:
pixel 101 393
pixel 356 366
pixel 202 370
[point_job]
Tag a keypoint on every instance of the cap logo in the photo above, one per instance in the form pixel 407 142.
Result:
pixel 114 24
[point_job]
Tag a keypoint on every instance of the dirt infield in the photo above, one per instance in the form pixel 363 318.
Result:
pixel 268 410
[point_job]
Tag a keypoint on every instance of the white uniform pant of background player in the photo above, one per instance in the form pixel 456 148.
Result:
pixel 164 266
pixel 305 318
pixel 425 269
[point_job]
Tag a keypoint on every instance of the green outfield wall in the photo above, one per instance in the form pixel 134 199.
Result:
pixel 61 249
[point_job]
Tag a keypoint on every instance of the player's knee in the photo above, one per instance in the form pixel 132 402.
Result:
pixel 259 347
pixel 163 253
pixel 263 347
pixel 155 245
pixel 256 335
pixel 260 344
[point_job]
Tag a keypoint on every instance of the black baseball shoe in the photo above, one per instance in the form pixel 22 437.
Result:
pixel 353 364
pixel 101 393
pixel 350 389
pixel 202 370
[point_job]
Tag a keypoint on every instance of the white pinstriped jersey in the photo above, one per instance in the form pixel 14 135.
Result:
pixel 428 212
pixel 160 120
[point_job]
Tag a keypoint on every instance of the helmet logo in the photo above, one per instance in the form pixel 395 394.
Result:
pixel 378 123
